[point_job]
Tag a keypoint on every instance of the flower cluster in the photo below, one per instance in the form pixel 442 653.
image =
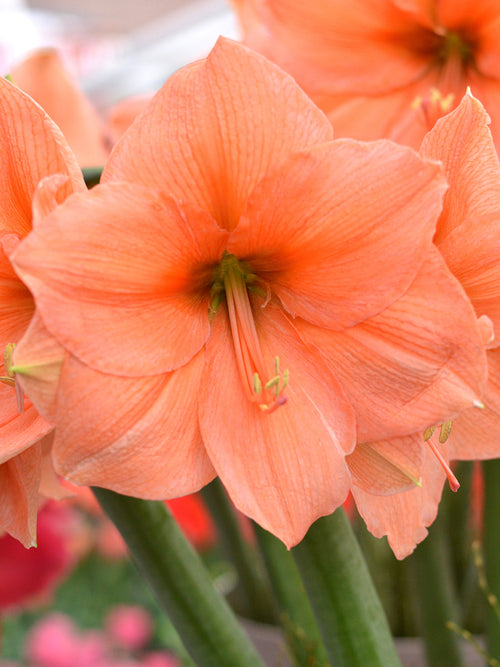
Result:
pixel 243 296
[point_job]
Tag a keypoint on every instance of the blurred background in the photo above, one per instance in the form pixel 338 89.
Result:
pixel 115 49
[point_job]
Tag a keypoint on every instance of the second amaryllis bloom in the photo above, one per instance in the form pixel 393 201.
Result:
pixel 190 293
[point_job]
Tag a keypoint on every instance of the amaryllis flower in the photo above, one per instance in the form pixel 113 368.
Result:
pixel 468 237
pixel 45 78
pixel 189 295
pixel 382 69
pixel 32 148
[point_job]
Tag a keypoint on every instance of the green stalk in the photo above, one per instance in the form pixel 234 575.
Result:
pixel 491 548
pixel 297 618
pixel 92 176
pixel 253 596
pixel 180 581
pixel 349 613
pixel 437 598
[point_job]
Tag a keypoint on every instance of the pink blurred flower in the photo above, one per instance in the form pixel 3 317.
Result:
pixel 55 642
pixel 130 627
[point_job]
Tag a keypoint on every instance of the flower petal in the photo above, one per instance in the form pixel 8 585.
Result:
pixel 419 362
pixel 463 143
pixel 404 517
pixel 124 296
pixel 286 468
pixel 387 466
pixel 18 431
pixel 471 252
pixel 476 433
pixel 328 43
pixel 139 437
pixel 32 147
pixel 38 360
pixel 19 480
pixel 43 76
pixel 342 230
pixel 215 129
pixel 16 302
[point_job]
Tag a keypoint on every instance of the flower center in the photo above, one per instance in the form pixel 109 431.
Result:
pixel 11 379
pixel 235 279
pixel 455 45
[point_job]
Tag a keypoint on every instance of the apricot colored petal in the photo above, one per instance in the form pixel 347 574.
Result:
pixel 16 302
pixel 387 466
pixel 476 433
pixel 51 485
pixel 422 11
pixel 121 116
pixel 44 77
pixel 139 437
pixel 38 360
pixel 471 252
pixel 18 431
pixel 287 468
pixel 457 13
pixel 140 309
pixel 487 90
pixel 332 41
pixel 463 143
pixel 32 147
pixel 404 517
pixel 205 138
pixel 19 480
pixel 342 230
pixel 419 362
pixel 49 193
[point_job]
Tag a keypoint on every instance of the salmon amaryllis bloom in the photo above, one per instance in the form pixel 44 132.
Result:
pixel 192 290
pixel 468 237
pixel 32 148
pixel 387 68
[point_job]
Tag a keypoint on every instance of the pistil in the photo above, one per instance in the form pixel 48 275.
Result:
pixel 235 279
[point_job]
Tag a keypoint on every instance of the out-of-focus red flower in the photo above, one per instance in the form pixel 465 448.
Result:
pixel 26 575
pixel 189 511
pixel 193 518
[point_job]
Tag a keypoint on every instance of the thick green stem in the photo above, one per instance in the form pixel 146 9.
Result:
pixel 92 176
pixel 180 581
pixel 253 599
pixel 349 613
pixel 437 597
pixel 302 632
pixel 491 547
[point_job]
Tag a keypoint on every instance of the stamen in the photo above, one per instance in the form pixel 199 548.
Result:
pixel 445 431
pixel 428 433
pixel 452 480
pixel 249 358
pixel 11 379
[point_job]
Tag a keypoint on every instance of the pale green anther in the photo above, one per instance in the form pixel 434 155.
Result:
pixel 445 431
pixel 257 384
pixel 428 432
pixel 286 376
pixel 273 382
pixel 7 356
pixel 277 365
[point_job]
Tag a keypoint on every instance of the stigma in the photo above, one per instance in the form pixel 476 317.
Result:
pixel 234 279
